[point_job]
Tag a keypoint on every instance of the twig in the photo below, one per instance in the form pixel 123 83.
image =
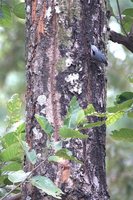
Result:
pixel 3 198
pixel 119 11
pixel 122 39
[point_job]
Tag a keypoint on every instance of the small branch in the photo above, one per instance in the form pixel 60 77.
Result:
pixel 119 11
pixel 5 197
pixel 121 39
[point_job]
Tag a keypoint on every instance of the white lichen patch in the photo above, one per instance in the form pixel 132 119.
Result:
pixel 72 78
pixel 39 155
pixel 28 198
pixel 43 111
pixel 104 29
pixel 96 182
pixel 48 13
pixel 57 9
pixel 69 61
pixel 37 134
pixel 41 100
pixel 75 86
pixel 28 9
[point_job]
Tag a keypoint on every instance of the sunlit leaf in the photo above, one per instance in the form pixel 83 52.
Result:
pixel 70 133
pixel 17 176
pixel 89 110
pixel 114 117
pixel 93 124
pixel 47 186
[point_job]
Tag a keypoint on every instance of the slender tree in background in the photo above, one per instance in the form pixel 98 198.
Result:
pixel 59 66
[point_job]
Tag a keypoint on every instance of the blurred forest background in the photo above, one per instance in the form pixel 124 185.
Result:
pixel 12 80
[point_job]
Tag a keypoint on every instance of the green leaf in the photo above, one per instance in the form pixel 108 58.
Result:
pixel 55 159
pixel 15 133
pixel 73 105
pixel 5 16
pixel 13 152
pixel 46 185
pixel 13 166
pixel 75 114
pixel 130 114
pixel 112 118
pixel 123 134
pixel 19 10
pixel 123 97
pixel 18 176
pixel 128 12
pixel 130 78
pixel 67 155
pixel 4 180
pixel 30 153
pixel 14 109
pixel 17 127
pixel 93 124
pixel 127 23
pixel 45 125
pixel 70 133
pixel 89 110
pixel 120 107
pixel 55 145
pixel 76 118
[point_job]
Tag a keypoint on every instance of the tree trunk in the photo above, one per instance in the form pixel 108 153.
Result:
pixel 59 66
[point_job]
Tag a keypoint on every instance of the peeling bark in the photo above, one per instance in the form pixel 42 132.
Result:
pixel 59 66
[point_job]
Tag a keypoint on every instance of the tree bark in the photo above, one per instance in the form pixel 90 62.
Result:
pixel 59 66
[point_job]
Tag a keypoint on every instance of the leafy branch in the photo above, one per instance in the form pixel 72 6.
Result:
pixel 75 121
pixel 29 175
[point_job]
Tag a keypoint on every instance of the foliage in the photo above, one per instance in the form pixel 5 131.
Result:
pixel 8 11
pixel 14 146
pixel 13 142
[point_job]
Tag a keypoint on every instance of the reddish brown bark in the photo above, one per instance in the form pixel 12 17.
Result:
pixel 59 66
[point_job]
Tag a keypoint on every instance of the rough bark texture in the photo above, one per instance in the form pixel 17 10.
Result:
pixel 59 66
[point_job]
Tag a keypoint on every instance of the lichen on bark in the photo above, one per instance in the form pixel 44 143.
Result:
pixel 59 66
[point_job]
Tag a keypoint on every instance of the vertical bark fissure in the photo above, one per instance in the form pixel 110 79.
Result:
pixel 53 74
pixel 80 29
